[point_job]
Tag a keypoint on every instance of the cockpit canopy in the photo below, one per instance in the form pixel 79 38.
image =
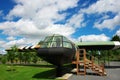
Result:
pixel 56 41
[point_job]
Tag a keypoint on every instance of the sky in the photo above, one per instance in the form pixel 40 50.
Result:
pixel 26 22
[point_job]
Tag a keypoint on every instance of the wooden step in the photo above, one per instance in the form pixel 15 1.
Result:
pixel 74 70
pixel 105 73
pixel 90 65
pixel 74 62
pixel 81 64
pixel 100 71
pixel 97 69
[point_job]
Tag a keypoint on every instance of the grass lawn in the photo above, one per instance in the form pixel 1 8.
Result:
pixel 31 72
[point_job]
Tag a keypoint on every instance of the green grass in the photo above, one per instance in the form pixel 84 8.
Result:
pixel 29 72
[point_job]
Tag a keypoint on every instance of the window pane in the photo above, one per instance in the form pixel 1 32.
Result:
pixel 67 45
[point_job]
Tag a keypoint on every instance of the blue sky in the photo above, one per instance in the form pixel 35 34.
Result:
pixel 24 22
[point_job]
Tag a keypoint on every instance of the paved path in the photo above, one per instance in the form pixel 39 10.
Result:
pixel 113 73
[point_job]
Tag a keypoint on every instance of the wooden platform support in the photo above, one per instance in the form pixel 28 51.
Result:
pixel 82 63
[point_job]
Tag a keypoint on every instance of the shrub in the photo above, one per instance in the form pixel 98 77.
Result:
pixel 4 60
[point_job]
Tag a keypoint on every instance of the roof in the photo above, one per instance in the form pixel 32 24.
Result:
pixel 95 43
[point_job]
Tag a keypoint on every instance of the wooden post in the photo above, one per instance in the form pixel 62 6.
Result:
pixel 103 69
pixel 80 63
pixel 92 62
pixel 77 61
pixel 84 52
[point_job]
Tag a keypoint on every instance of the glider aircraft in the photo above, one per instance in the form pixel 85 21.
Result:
pixel 58 50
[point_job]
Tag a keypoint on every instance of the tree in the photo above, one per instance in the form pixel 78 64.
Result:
pixel 11 56
pixel 20 56
pixel 115 38
pixel 0 57
pixel 12 53
pixel 116 53
pixel 26 57
pixel 4 59
pixel 34 57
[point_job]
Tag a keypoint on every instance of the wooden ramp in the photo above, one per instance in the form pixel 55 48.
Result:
pixel 82 63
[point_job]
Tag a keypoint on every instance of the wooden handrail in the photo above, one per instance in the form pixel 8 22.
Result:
pixel 84 61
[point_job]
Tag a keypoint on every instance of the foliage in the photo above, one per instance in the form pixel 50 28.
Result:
pixel 115 38
pixel 26 57
pixel 108 55
pixel 114 54
pixel 111 54
pixel 35 59
pixel 14 56
pixel 12 53
pixel 4 59
pixel 0 58
pixel 20 56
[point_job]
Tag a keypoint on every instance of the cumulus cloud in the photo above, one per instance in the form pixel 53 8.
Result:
pixel 10 38
pixel 2 48
pixel 109 23
pixel 2 43
pixel 2 51
pixel 104 6
pixel 76 20
pixel 118 32
pixel 27 28
pixel 44 9
pixel 36 19
pixel 93 37
pixel 19 42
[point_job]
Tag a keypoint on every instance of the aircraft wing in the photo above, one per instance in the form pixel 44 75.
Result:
pixel 110 45
pixel 26 48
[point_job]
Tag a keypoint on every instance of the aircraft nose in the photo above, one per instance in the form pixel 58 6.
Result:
pixel 42 51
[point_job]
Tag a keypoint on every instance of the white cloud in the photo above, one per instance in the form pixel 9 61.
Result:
pixel 19 42
pixel 109 23
pixel 118 32
pixel 43 9
pixel 93 37
pixel 2 43
pixel 27 28
pixel 37 18
pixel 60 29
pixel 10 38
pixel 104 6
pixel 76 20
pixel 6 25
pixel 2 51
